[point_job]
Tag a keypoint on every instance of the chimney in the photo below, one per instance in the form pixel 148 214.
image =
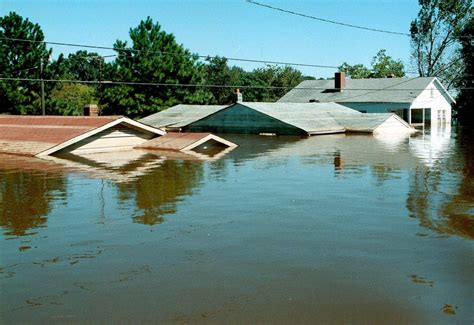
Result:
pixel 239 97
pixel 90 110
pixel 340 81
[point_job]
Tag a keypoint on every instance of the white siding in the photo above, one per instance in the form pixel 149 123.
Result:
pixel 116 138
pixel 433 97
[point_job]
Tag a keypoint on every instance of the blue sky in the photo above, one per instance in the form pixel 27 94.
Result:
pixel 234 28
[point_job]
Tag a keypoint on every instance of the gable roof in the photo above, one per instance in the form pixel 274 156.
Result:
pixel 376 90
pixel 313 118
pixel 183 141
pixel 43 135
pixel 180 115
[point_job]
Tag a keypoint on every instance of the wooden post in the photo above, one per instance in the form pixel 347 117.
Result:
pixel 43 109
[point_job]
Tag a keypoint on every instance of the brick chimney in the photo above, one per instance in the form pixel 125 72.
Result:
pixel 340 81
pixel 238 96
pixel 90 110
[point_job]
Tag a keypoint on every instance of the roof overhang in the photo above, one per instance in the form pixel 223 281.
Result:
pixel 122 120
pixel 453 101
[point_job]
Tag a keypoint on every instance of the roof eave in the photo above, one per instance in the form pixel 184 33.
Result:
pixel 97 130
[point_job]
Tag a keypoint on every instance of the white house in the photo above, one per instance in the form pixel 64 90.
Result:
pixel 421 100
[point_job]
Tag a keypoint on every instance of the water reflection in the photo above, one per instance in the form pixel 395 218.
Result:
pixel 441 191
pixel 154 180
pixel 432 144
pixel 27 190
pixel 157 193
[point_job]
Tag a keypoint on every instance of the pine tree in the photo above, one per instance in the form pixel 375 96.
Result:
pixel 19 59
pixel 154 57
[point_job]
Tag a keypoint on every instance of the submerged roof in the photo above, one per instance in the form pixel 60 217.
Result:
pixel 313 118
pixel 34 135
pixel 377 90
pixel 180 115
pixel 183 141
pixel 369 122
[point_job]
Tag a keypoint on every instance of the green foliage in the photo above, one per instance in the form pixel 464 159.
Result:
pixel 465 99
pixel 356 71
pixel 255 85
pixel 434 37
pixel 21 60
pixel 383 66
pixel 83 65
pixel 70 98
pixel 154 57
pixel 283 79
pixel 217 72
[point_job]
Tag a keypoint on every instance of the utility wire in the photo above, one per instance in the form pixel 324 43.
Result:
pixel 327 20
pixel 371 29
pixel 160 84
pixel 205 57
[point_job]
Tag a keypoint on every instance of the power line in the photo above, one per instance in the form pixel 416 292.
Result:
pixel 159 84
pixel 205 57
pixel 325 20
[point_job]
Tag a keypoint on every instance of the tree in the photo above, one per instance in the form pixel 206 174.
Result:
pixel 84 65
pixel 21 60
pixel 356 71
pixel 383 66
pixel 434 37
pixel 154 57
pixel 217 72
pixel 70 98
pixel 465 83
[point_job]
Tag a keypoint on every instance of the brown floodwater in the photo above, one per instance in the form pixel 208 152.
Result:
pixel 327 229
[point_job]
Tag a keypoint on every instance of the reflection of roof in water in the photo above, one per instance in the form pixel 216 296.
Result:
pixel 352 149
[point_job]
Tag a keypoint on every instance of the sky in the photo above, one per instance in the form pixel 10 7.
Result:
pixel 234 28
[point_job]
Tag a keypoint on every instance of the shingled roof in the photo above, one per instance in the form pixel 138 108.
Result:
pixel 180 115
pixel 34 135
pixel 313 118
pixel 376 90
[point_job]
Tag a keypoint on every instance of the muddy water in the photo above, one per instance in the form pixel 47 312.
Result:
pixel 333 229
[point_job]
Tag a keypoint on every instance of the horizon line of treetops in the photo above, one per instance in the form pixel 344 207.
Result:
pixel 141 63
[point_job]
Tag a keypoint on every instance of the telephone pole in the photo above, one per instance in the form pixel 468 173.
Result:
pixel 43 110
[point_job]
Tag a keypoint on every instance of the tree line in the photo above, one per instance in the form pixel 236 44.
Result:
pixel 441 38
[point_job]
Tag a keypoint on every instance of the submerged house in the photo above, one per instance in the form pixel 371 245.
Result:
pixel 421 100
pixel 41 136
pixel 274 118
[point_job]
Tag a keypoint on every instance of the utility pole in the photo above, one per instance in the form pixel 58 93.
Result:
pixel 43 110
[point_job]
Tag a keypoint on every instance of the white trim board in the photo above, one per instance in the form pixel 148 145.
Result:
pixel 124 120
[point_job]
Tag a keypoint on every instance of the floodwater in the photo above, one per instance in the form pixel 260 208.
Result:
pixel 328 229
